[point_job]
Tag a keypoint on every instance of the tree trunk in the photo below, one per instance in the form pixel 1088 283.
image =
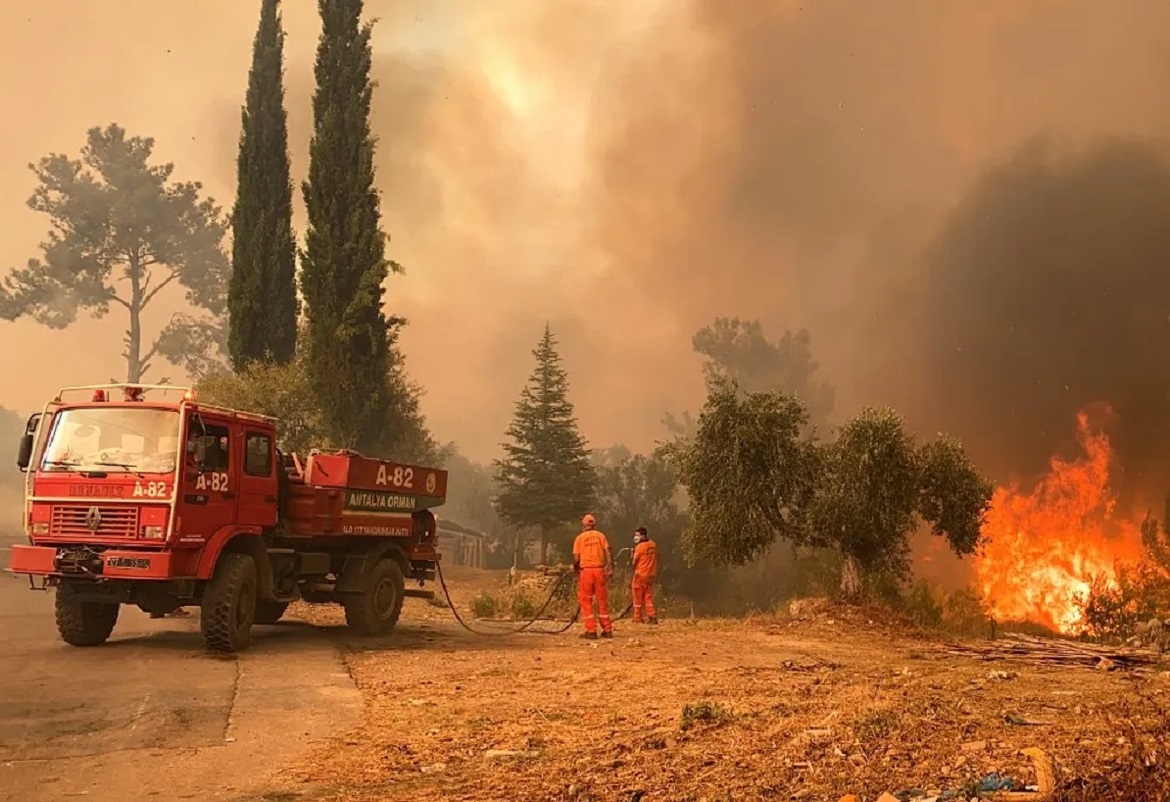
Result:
pixel 543 544
pixel 133 352
pixel 850 577
pixel 517 547
pixel 134 349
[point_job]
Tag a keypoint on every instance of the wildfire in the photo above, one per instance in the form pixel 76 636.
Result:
pixel 1043 548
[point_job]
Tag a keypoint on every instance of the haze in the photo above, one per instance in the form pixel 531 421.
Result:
pixel 628 175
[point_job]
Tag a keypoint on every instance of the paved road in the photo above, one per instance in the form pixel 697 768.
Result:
pixel 152 715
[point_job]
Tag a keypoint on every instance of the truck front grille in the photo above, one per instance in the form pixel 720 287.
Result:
pixel 79 520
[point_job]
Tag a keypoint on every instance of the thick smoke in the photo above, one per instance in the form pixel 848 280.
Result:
pixel 625 171
pixel 804 163
pixel 1047 291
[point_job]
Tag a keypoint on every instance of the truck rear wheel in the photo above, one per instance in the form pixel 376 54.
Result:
pixel 83 623
pixel 375 610
pixel 269 612
pixel 229 604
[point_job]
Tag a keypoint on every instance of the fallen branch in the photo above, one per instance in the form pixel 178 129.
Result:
pixel 1043 651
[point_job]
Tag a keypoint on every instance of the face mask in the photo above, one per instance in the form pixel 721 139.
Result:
pixel 637 539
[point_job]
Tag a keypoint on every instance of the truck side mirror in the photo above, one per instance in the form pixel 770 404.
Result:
pixel 24 454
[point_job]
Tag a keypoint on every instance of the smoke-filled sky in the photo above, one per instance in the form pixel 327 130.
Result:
pixel 630 171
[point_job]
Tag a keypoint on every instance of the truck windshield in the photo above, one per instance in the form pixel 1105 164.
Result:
pixel 113 440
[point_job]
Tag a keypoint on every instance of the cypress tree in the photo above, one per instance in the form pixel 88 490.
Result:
pixel 344 264
pixel 262 296
pixel 545 477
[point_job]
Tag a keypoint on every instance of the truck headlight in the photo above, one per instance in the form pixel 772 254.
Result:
pixel 40 528
pixel 154 532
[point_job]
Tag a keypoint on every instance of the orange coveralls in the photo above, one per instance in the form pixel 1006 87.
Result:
pixel 645 572
pixel 591 554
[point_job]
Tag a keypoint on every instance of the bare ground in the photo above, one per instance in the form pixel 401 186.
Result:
pixel 152 715
pixel 768 708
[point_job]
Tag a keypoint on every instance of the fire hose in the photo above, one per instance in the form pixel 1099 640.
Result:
pixel 525 626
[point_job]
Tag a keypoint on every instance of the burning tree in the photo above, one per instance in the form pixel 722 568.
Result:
pixel 1120 602
pixel 1156 537
pixel 752 478
pixel 122 232
pixel 1046 549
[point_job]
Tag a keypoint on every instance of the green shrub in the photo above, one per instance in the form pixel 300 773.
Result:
pixel 523 605
pixel 485 605
pixel 964 613
pixel 706 713
pixel 876 727
pixel 923 606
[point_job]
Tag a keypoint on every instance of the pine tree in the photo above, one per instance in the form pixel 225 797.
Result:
pixel 344 264
pixel 122 232
pixel 545 477
pixel 262 296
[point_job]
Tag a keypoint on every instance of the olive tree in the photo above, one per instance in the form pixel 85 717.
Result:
pixel 878 484
pixel 749 473
pixel 753 479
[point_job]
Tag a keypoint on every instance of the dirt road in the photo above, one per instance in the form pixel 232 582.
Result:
pixel 152 715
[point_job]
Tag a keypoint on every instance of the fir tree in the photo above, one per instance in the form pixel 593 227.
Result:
pixel 344 264
pixel 262 297
pixel 545 477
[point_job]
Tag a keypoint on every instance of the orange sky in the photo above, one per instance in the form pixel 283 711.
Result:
pixel 626 176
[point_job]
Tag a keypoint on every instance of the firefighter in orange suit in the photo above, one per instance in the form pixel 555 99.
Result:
pixel 593 563
pixel 645 559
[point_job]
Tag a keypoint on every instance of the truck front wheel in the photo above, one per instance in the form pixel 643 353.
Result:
pixel 83 623
pixel 229 604
pixel 375 610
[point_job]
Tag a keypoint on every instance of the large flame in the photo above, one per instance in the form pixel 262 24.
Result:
pixel 1042 549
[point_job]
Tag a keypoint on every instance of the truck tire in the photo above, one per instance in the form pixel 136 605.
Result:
pixel 229 604
pixel 83 623
pixel 269 612
pixel 375 610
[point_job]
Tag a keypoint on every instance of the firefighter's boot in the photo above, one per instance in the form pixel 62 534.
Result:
pixel 589 635
pixel 652 619
pixel 607 634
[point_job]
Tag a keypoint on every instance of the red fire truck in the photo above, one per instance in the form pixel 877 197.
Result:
pixel 139 494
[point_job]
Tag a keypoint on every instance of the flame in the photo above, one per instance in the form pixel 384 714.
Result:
pixel 1042 549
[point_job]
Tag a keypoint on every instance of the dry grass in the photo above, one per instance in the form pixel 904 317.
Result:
pixel 805 707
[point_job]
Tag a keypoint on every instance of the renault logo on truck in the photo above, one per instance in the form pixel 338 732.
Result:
pixel 93 519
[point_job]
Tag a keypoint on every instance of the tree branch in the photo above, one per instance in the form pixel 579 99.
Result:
pixel 145 360
pixel 146 299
